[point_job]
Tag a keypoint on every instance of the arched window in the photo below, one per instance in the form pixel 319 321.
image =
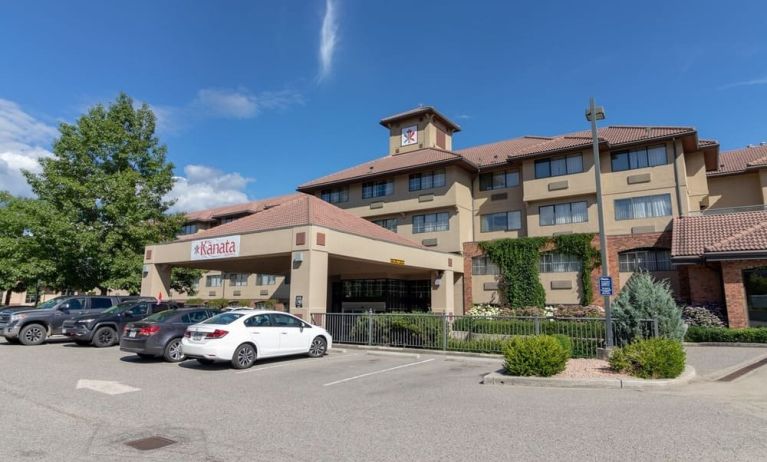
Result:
pixel 559 263
pixel 644 259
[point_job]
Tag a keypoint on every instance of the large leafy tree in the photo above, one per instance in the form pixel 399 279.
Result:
pixel 106 186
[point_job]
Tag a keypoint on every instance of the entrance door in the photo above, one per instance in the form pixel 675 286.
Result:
pixel 755 281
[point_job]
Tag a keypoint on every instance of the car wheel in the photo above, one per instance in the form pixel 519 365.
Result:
pixel 33 334
pixel 173 353
pixel 318 347
pixel 244 356
pixel 144 356
pixel 104 337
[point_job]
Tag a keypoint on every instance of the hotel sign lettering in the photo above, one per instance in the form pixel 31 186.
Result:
pixel 217 247
pixel 397 261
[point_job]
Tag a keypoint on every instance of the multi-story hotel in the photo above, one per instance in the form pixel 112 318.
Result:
pixel 402 231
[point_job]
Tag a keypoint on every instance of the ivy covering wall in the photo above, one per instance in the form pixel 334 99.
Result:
pixel 517 261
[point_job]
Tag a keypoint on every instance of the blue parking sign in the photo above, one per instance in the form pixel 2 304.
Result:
pixel 605 285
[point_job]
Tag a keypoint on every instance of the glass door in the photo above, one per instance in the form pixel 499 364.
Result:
pixel 755 281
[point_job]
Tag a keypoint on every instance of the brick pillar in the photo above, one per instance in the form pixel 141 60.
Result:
pixel 734 294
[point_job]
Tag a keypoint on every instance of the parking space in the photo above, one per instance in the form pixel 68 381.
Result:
pixel 345 406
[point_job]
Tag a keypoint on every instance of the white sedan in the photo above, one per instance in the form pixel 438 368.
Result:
pixel 243 336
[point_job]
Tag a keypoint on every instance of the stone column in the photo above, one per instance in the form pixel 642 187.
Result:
pixel 155 281
pixel 309 281
pixel 443 295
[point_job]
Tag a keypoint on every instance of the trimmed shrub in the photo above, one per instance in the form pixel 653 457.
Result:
pixel 401 329
pixel 541 356
pixel 578 311
pixel 702 316
pixel 725 335
pixel 193 301
pixel 656 358
pixel 642 298
pixel 218 303
pixel 476 345
pixel 566 343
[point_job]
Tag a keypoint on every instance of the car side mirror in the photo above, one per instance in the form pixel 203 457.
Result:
pixel 302 327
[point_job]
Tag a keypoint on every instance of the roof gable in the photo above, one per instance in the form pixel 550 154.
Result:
pixel 695 236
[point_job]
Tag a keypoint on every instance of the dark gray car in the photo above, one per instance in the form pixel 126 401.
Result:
pixel 160 334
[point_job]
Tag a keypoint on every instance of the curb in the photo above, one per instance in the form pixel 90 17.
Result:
pixel 418 351
pixel 393 353
pixel 725 344
pixel 720 374
pixel 499 378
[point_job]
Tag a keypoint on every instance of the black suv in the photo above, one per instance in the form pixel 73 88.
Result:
pixel 33 326
pixel 104 329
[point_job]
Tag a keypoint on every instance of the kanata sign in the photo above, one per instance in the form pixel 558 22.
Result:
pixel 218 247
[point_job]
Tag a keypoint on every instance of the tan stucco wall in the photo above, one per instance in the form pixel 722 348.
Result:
pixel 427 135
pixel 569 296
pixel 578 184
pixel 735 190
pixel 697 186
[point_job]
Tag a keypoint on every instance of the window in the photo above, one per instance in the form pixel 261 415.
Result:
pixel 557 166
pixel 266 279
pixel 335 195
pixel 559 263
pixel 388 223
pixel 498 180
pixel 283 320
pixel 139 310
pixel 503 221
pixel 100 303
pixel 30 298
pixel 431 222
pixel 194 317
pixel 225 220
pixel 259 320
pixel 646 259
pixel 639 158
pixel 483 265
pixel 643 207
pixel 560 214
pixel 213 280
pixel 238 279
pixel 377 188
pixel 428 180
pixel 223 318
pixel 189 228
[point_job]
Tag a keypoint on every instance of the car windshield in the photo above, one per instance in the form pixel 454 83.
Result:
pixel 124 306
pixel 162 316
pixel 50 304
pixel 223 318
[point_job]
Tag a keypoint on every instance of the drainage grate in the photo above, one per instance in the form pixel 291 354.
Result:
pixel 147 444
pixel 741 372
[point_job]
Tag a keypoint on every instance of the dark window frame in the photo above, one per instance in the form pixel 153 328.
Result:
pixel 557 158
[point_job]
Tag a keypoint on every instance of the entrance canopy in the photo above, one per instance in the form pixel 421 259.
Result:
pixel 310 241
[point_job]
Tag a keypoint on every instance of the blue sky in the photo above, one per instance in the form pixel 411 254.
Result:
pixel 256 97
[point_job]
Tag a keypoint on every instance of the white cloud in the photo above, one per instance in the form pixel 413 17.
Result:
pixel 23 140
pixel 746 83
pixel 241 104
pixel 203 187
pixel 328 39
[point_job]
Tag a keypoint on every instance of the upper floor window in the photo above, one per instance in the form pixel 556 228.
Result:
pixel 428 180
pixel 266 279
pixel 189 228
pixel 431 222
pixel 639 158
pixel 557 166
pixel 498 180
pixel 377 188
pixel 561 214
pixel 388 223
pixel 335 195
pixel 643 207
pixel 503 221
pixel 644 259
pixel 214 280
pixel 238 279
pixel 552 262
pixel 483 265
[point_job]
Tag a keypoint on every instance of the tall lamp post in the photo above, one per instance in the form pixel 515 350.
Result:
pixel 594 113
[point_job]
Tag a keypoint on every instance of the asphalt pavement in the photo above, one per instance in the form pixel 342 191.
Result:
pixel 61 401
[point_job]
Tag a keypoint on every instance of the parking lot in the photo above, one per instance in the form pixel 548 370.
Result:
pixel 62 401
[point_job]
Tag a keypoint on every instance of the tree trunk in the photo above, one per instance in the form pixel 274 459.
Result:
pixel 103 290
pixel 7 297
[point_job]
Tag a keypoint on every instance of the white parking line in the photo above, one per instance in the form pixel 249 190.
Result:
pixel 290 363
pixel 378 372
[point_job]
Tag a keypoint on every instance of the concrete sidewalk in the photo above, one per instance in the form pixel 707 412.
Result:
pixel 714 362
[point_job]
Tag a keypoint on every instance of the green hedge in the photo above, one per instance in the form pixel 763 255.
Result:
pixel 656 358
pixel 587 329
pixel 541 355
pixel 725 335
pixel 398 329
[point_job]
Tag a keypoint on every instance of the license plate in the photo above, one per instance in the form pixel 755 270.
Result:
pixel 197 336
pixel 132 333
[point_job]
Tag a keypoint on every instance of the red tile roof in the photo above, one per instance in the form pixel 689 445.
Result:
pixel 740 160
pixel 696 236
pixel 387 164
pixel 303 210
pixel 236 209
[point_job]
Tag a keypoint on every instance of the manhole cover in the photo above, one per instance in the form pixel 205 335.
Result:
pixel 147 444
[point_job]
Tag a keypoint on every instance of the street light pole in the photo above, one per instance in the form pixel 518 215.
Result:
pixel 593 114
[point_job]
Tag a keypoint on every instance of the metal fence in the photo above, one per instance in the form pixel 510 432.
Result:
pixel 480 334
